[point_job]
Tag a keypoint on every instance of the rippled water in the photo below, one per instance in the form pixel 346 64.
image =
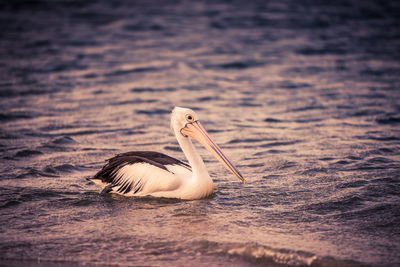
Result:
pixel 302 96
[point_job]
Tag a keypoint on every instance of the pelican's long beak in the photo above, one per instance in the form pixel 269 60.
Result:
pixel 196 131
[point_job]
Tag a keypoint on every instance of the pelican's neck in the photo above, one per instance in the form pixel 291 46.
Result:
pixel 195 161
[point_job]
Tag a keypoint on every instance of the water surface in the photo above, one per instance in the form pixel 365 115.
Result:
pixel 303 97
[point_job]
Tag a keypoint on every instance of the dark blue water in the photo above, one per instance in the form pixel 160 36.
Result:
pixel 302 95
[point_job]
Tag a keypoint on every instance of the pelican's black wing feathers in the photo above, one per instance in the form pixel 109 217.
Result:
pixel 108 173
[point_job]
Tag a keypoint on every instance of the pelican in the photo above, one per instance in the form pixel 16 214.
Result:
pixel 147 173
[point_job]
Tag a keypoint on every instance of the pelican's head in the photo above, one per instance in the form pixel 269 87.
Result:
pixel 184 121
pixel 182 116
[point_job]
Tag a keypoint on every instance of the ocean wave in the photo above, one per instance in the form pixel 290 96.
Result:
pixel 12 196
pixel 238 65
pixel 263 254
pixel 64 140
pixel 255 253
pixel 5 117
pixel 133 70
pixel 27 153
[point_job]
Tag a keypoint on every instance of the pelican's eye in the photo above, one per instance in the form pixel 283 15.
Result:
pixel 189 118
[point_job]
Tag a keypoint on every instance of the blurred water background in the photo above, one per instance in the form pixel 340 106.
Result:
pixel 303 96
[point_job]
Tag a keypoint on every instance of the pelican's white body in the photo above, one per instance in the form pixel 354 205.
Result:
pixel 177 182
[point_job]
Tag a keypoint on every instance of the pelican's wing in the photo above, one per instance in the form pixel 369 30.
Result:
pixel 139 172
pixel 157 157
